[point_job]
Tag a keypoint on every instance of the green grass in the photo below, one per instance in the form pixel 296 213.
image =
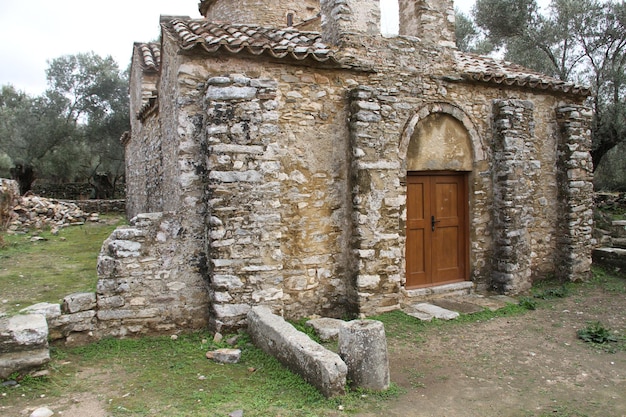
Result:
pixel 47 270
pixel 161 376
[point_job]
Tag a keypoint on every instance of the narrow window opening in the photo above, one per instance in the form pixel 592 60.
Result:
pixel 389 18
pixel 289 19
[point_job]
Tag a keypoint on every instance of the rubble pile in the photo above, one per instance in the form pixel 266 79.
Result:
pixel 34 212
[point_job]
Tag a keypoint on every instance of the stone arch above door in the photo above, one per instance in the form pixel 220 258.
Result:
pixel 440 136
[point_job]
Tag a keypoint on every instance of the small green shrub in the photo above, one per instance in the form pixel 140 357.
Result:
pixel 551 293
pixel 596 333
pixel 528 303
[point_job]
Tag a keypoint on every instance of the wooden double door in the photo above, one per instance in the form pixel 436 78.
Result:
pixel 437 230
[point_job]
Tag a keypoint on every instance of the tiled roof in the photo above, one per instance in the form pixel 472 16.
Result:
pixel 150 54
pixel 484 69
pixel 256 40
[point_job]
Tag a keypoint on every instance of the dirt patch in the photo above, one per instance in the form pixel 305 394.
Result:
pixel 530 365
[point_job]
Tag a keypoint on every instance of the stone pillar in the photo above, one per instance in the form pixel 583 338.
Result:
pixel 363 347
pixel 340 17
pixel 575 190
pixel 514 171
pixel 377 203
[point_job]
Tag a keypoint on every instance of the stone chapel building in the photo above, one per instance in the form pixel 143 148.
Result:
pixel 285 153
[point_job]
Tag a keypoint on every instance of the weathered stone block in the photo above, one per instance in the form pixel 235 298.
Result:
pixel 76 302
pixel 23 332
pixel 231 93
pixel 320 367
pixel 23 343
pixel 48 310
pixel 224 355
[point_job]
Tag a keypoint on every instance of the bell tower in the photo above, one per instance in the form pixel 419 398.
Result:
pixel 430 20
pixel 272 13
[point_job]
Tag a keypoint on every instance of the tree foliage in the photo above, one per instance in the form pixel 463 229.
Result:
pixel 73 129
pixel 581 41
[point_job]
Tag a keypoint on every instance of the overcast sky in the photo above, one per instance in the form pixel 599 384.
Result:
pixel 33 32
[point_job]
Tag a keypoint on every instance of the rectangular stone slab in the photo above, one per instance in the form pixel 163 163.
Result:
pixel 320 367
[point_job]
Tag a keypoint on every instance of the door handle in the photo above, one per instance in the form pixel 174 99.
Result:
pixel 432 222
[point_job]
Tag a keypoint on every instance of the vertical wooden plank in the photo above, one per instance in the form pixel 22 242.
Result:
pixel 418 252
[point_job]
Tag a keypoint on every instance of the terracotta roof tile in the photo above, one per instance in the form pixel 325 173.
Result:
pixel 257 40
pixel 150 54
pixel 484 69
pixel 290 42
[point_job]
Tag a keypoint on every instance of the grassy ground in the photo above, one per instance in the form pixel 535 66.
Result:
pixel 33 271
pixel 435 366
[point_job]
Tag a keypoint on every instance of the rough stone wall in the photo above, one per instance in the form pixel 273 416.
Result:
pixel 378 199
pixel 143 152
pixel 150 279
pixel 144 176
pixel 271 13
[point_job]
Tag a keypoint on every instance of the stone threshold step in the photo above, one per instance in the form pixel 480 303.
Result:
pixel 451 308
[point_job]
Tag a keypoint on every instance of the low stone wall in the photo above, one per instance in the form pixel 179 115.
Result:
pixel 71 191
pixel 100 206
pixel 152 278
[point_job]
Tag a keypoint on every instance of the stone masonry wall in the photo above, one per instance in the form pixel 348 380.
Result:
pixel 272 13
pixel 515 170
pixel 429 20
pixel 575 193
pixel 143 169
pixel 150 279
pixel 243 196
pixel 284 185
pixel 277 194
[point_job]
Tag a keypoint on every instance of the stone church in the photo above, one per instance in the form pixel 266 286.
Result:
pixel 286 153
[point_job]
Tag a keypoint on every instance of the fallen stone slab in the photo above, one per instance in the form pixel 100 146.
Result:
pixel 435 311
pixel 320 367
pixel 460 306
pixel 420 315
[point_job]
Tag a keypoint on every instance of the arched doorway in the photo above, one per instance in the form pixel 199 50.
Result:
pixel 438 162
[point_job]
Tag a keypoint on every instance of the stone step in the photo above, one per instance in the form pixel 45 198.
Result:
pixel 619 242
pixel 427 312
pixel 457 289
pixel 613 257
pixel 447 308
pixel 450 308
